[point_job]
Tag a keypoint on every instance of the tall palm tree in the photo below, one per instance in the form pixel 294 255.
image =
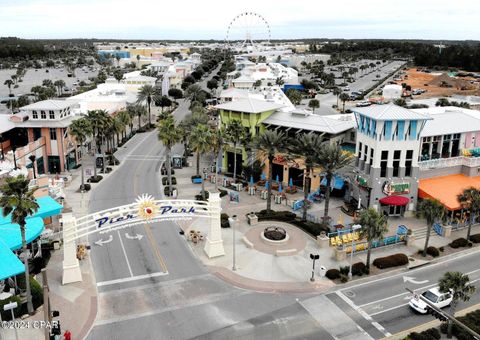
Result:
pixel 132 112
pixel 459 286
pixel 148 94
pixel 306 146
pixel 332 158
pixel 169 135
pixel 234 133
pixel 81 129
pixel 374 227
pixel 59 84
pixel 9 83
pixel 218 140
pixel 432 211
pixel 337 92
pixel 194 93
pixel 470 200
pixel 344 97
pixel 17 199
pixel 126 119
pixel 201 141
pixel 269 143
pixel 98 120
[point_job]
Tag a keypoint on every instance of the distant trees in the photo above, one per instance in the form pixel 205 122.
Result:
pixel 175 93
pixel 295 96
pixel 314 104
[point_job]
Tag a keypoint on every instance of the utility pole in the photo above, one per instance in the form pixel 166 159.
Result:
pixel 46 304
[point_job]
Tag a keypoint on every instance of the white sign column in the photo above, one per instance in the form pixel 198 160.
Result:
pixel 71 266
pixel 214 242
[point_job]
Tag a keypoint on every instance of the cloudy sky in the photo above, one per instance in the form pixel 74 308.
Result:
pixel 209 19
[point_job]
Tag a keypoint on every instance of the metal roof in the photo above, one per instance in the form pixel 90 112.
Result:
pixel 50 104
pixel 390 112
pixel 249 105
pixel 450 122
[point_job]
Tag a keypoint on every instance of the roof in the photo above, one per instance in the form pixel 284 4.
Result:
pixel 447 188
pixel 50 104
pixel 249 105
pixel 10 265
pixel 390 112
pixel 243 79
pixel 234 92
pixel 311 122
pixel 450 122
pixel 35 123
pixel 5 123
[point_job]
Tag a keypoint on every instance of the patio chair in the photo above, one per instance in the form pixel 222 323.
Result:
pixel 338 240
pixel 350 237
pixel 345 238
pixel 333 242
pixel 356 236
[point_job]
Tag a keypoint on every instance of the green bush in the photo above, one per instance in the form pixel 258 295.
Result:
pixel 37 293
pixel 442 249
pixel 312 228
pixel 359 268
pixel 344 270
pixel 429 334
pixel 343 278
pixel 166 190
pixel 165 180
pixel 391 261
pixel 333 274
pixel 459 242
pixel 432 251
pixel 284 216
pixel 17 312
pixel 86 187
pixel 471 320
pixel 224 220
pixel 96 179
pixel 475 238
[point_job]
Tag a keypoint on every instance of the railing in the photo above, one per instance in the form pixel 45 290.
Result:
pixel 449 162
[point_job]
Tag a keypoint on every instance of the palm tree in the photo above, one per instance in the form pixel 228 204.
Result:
pixel 218 140
pixel 306 146
pixel 201 141
pixel 459 286
pixel 59 84
pixel 432 211
pixel 374 227
pixel 337 92
pixel 138 60
pixel 314 104
pixel 169 135
pixel 234 133
pixel 126 120
pixel 98 120
pixel 269 143
pixel 470 200
pixel 332 158
pixel 132 112
pixel 9 83
pixel 17 199
pixel 194 93
pixel 81 129
pixel 148 94
pixel 187 125
pixel 344 97
pixel 345 76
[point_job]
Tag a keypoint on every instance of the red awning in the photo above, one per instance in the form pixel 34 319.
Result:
pixel 394 200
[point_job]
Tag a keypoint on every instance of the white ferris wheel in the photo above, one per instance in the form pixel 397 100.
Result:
pixel 248 31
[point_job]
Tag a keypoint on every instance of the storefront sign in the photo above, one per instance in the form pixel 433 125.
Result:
pixel 279 159
pixel 395 188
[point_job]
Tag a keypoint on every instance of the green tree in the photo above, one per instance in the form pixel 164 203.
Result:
pixel 126 119
pixel 9 83
pixel 234 133
pixel 212 84
pixel 164 102
pixel 47 83
pixel 332 158
pixel 306 146
pixel 459 286
pixel 344 97
pixel 201 142
pixel 432 211
pixel 218 140
pixel 269 143
pixel 470 200
pixel 80 129
pixel 295 96
pixel 175 93
pixel 147 94
pixel 169 134
pixel 59 84
pixel 337 92
pixel 374 227
pixel 187 125
pixel 314 104
pixel 194 93
pixel 138 60
pixel 118 75
pixel 17 199
pixel 98 120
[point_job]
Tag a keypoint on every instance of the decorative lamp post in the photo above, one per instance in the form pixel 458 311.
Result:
pixel 354 228
pixel 314 257
pixel 232 221
pixel 32 158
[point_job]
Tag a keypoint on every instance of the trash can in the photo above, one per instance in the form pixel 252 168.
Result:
pixel 251 191
pixel 278 199
pixel 322 271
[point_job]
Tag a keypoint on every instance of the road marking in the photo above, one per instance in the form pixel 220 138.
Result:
pixel 412 280
pixel 101 242
pixel 140 143
pixel 153 244
pixel 129 279
pixel 125 253
pixel 135 237
pixel 142 159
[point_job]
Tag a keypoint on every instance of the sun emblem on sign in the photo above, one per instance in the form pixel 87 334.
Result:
pixel 146 207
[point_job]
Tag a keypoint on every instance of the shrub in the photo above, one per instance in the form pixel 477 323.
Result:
pixel 284 216
pixel 17 312
pixel 165 180
pixel 333 274
pixel 37 293
pixel 85 187
pixel 343 278
pixel 166 190
pixel 224 221
pixel 432 251
pixel 391 261
pixel 459 242
pixel 359 268
pixel 475 238
pixel 429 334
pixel 96 179
pixel 38 264
pixel 442 249
pixel 344 270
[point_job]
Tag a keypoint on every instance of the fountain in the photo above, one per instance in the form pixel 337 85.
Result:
pixel 274 235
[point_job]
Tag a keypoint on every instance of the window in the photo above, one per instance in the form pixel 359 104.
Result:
pixel 53 134
pixel 384 155
pixel 409 154
pixel 396 163
pixel 408 168
pixel 360 150
pixel 34 115
pixel 365 153
pixel 352 135
pixel 43 115
pixel 383 169
pixel 51 114
pixel 37 133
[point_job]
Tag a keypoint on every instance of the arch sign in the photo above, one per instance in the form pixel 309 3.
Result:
pixel 145 210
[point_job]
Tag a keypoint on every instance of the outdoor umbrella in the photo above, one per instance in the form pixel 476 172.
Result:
pixel 290 182
pixel 263 177
pixel 280 188
pixel 251 180
pixel 277 179
pixel 266 185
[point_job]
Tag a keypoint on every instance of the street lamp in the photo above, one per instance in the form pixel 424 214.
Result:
pixel 32 158
pixel 1 147
pixel 232 221
pixel 354 228
pixel 313 257
pixel 14 148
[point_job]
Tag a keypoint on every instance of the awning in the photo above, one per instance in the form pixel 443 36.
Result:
pixel 338 182
pixel 10 233
pixel 10 265
pixel 47 207
pixel 447 188
pixel 394 200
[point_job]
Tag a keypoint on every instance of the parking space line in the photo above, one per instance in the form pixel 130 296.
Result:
pixel 128 279
pixel 125 253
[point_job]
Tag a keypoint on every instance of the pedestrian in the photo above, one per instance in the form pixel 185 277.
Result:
pixel 67 335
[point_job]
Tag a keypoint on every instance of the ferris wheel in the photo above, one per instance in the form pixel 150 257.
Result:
pixel 248 30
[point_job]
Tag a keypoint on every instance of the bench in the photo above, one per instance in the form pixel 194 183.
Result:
pixel 197 181
pixel 285 252
pixel 247 242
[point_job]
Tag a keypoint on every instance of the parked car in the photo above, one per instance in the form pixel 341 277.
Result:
pixel 363 103
pixel 346 88
pixel 438 299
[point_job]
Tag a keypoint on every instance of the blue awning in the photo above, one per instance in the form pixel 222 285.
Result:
pixel 11 237
pixel 47 207
pixel 338 182
pixel 10 265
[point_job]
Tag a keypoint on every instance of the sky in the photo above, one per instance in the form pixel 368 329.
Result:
pixel 210 19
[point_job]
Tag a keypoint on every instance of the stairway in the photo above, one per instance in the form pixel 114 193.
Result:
pixel 422 233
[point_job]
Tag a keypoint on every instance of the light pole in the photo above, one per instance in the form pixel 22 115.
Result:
pixel 14 148
pixel 11 306
pixel 232 221
pixel 313 257
pixel 32 159
pixel 354 228
pixel 1 146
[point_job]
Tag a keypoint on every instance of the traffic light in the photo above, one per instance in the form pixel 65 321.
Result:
pixel 437 315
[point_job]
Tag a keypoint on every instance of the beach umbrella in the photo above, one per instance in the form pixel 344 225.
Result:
pixel 266 185
pixel 277 178
pixel 251 180
pixel 290 182
pixel 263 177
pixel 280 188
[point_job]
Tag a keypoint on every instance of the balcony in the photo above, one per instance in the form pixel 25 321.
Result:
pixel 449 162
